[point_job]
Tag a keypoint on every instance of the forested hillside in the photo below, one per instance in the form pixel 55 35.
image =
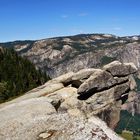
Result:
pixel 60 55
pixel 17 75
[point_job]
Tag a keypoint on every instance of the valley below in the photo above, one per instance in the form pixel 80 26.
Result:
pixel 73 59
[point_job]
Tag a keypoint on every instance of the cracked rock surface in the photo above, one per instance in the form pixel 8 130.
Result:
pixel 76 106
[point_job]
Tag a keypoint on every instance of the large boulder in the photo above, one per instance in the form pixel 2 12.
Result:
pixel 98 81
pixel 113 73
pixel 120 69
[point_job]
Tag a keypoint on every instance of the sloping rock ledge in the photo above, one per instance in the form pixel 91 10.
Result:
pixel 69 107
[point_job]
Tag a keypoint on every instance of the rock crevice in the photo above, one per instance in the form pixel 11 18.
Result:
pixel 68 106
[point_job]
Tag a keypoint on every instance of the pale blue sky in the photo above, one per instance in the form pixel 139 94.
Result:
pixel 38 19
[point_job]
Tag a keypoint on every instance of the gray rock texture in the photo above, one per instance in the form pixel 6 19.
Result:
pixel 62 109
pixel 118 69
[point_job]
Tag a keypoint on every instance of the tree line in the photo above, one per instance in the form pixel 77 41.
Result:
pixel 17 75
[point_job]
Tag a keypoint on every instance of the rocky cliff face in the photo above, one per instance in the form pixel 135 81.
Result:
pixel 60 55
pixel 69 107
pixel 133 103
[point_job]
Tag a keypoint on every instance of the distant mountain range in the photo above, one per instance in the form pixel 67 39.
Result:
pixel 57 56
pixel 71 53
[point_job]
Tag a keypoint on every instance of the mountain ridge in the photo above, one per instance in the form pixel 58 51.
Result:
pixel 65 36
pixel 63 54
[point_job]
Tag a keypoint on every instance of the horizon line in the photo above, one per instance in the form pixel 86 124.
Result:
pixel 71 35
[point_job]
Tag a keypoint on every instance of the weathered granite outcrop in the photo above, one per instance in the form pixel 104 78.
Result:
pixel 68 106
pixel 118 69
pixel 36 119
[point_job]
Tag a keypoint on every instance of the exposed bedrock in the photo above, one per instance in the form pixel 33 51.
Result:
pixel 68 106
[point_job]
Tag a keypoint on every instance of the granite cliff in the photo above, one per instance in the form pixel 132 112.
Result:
pixel 73 106
pixel 60 55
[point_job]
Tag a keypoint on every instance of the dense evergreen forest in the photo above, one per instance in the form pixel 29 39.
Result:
pixel 17 75
pixel 129 123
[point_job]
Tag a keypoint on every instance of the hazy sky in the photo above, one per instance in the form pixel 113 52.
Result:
pixel 38 19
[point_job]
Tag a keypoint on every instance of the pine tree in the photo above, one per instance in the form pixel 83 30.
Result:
pixel 17 75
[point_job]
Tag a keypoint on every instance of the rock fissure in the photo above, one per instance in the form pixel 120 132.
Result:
pixel 67 106
pixel 91 92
